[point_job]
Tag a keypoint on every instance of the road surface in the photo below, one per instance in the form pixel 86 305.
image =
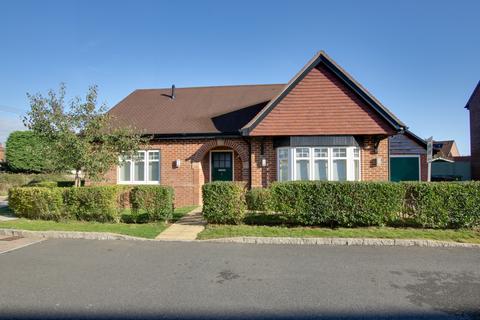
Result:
pixel 174 280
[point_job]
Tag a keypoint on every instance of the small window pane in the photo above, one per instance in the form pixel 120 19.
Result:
pixel 339 170
pixel 154 155
pixel 125 171
pixel 320 170
pixel 356 164
pixel 356 152
pixel 154 171
pixel 283 170
pixel 302 152
pixel 283 153
pixel 339 152
pixel 303 169
pixel 140 156
pixel 321 152
pixel 139 171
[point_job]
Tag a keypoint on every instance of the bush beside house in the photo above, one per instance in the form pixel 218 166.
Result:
pixel 351 204
pixel 155 201
pixel 224 202
pixel 93 203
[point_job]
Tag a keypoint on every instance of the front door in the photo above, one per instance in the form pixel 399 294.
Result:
pixel 222 165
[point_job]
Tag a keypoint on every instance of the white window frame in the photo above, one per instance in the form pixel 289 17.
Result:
pixel 145 168
pixel 289 166
pixel 292 162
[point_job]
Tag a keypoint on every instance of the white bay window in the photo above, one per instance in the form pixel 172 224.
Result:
pixel 318 163
pixel 142 168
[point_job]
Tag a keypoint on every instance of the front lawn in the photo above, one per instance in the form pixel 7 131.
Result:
pixel 144 230
pixel 227 231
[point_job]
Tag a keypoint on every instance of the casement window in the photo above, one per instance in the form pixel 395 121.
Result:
pixel 142 168
pixel 318 163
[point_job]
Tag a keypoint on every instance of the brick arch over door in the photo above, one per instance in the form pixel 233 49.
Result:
pixel 240 146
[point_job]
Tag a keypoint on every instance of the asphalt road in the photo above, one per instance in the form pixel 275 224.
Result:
pixel 147 280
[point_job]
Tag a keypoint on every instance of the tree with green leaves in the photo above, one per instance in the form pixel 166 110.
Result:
pixel 83 137
pixel 27 152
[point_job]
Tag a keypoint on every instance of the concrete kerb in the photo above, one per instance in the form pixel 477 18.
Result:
pixel 248 240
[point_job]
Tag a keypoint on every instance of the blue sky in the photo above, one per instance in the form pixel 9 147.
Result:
pixel 420 58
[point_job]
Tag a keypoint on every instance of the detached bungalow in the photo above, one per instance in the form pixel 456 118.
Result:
pixel 322 125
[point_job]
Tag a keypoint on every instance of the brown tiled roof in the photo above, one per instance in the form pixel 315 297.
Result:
pixel 446 149
pixel 199 110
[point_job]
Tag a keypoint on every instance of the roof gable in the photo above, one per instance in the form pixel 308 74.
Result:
pixel 315 90
pixel 474 98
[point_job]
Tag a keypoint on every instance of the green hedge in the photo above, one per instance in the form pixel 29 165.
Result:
pixel 37 203
pixel 27 152
pixel 338 203
pixel 155 201
pixel 443 204
pixel 98 203
pixel 259 199
pixel 351 204
pixel 224 202
pixel 10 180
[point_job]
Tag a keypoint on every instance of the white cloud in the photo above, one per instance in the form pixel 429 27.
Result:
pixel 8 123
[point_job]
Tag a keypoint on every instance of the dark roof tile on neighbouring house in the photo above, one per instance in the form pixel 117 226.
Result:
pixel 446 149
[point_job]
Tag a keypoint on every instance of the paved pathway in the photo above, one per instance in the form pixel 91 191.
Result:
pixel 187 228
pixel 8 243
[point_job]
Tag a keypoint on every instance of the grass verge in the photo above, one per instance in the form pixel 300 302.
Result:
pixel 227 231
pixel 144 230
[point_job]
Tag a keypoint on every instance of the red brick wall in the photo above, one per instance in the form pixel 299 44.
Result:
pixel 194 169
pixel 372 169
pixel 263 176
pixel 321 104
pixel 195 164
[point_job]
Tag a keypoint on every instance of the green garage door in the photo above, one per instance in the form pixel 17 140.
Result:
pixel 404 169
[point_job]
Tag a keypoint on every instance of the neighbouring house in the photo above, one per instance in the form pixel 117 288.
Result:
pixel 473 106
pixel 408 157
pixel 321 125
pixel 446 149
pixel 448 164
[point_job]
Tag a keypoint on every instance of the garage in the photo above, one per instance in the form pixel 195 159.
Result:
pixel 404 168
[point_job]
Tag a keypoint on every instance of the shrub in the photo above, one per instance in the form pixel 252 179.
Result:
pixel 10 180
pixel 258 199
pixel 98 203
pixel 338 203
pixel 224 202
pixel 27 152
pixel 37 203
pixel 45 184
pixel 443 204
pixel 156 201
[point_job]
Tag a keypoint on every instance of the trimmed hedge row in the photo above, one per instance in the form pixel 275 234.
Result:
pixel 338 204
pixel 352 204
pixel 224 202
pixel 157 202
pixel 95 203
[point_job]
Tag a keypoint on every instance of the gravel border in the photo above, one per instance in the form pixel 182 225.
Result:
pixel 249 240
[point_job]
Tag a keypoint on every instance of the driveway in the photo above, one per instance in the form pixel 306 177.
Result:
pixel 129 279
